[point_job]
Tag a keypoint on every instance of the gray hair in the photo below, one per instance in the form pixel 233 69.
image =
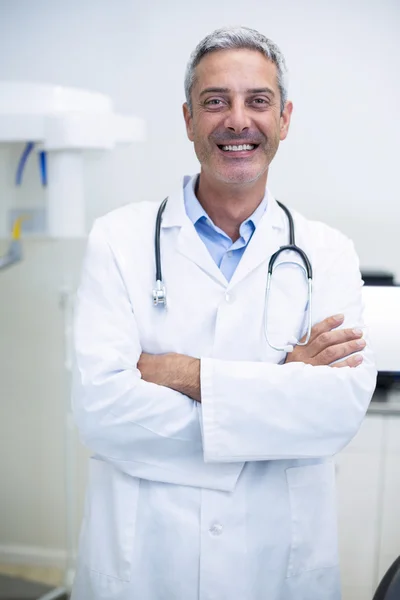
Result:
pixel 236 38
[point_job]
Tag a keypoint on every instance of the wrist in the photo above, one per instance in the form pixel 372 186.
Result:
pixel 185 375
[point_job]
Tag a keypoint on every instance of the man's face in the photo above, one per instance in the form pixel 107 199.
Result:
pixel 236 102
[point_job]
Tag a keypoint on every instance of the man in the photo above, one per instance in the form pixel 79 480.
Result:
pixel 212 475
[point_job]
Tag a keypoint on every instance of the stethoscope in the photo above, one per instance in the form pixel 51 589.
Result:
pixel 160 296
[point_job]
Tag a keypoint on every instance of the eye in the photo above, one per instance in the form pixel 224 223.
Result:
pixel 260 101
pixel 214 102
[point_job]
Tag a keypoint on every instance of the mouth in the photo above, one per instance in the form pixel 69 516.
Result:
pixel 238 150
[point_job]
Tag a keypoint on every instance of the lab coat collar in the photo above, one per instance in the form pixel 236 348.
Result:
pixel 175 213
pixel 189 242
pixel 264 242
pixel 266 239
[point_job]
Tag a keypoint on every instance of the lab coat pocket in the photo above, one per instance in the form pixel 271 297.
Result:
pixel 110 520
pixel 312 497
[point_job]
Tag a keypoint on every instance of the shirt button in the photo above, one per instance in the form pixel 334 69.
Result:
pixel 216 529
pixel 229 253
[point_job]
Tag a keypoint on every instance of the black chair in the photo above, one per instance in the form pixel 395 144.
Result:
pixel 389 587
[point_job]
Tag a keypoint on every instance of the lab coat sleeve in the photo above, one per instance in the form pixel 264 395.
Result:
pixel 145 430
pixel 260 411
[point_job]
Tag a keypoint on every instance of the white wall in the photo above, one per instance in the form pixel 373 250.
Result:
pixel 339 165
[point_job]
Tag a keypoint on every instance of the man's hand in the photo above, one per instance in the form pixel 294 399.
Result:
pixel 182 373
pixel 326 346
pixel 176 371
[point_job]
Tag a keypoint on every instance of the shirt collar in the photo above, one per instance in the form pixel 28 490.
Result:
pixel 195 211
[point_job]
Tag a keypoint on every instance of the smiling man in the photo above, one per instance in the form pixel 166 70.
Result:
pixel 235 115
pixel 228 110
pixel 212 414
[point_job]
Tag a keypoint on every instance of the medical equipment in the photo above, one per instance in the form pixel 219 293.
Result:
pixel 160 296
pixel 14 253
pixel 62 125
pixel 382 317
pixel 306 267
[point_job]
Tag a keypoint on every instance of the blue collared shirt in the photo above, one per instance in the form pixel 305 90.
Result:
pixel 226 254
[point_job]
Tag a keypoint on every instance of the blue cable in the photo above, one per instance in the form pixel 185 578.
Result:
pixel 43 166
pixel 22 162
pixel 42 157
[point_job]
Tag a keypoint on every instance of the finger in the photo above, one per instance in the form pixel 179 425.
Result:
pixel 333 353
pixel 352 361
pixel 332 338
pixel 324 326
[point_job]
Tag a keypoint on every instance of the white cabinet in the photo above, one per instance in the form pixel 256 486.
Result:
pixel 368 483
pixel 389 548
pixel 358 482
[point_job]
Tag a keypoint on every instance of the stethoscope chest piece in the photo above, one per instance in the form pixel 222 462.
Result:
pixel 159 294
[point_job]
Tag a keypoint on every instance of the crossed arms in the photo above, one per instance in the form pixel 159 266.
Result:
pixel 326 346
pixel 137 411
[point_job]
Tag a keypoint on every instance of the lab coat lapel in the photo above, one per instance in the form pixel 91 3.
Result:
pixel 189 243
pixel 267 238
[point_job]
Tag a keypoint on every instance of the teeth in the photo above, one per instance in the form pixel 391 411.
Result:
pixel 238 148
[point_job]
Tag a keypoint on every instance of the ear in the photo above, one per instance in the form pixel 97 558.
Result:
pixel 189 121
pixel 285 120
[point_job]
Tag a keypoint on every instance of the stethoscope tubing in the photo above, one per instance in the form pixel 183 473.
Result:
pixel 160 297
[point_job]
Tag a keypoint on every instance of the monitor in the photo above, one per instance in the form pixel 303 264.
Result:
pixel 382 319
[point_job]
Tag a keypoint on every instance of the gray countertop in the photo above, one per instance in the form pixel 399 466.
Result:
pixel 385 403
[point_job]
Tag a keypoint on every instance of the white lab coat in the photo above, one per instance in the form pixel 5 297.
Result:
pixel 233 498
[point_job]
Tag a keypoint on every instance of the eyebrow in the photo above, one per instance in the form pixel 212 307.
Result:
pixel 219 90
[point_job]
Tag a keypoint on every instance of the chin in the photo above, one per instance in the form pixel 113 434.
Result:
pixel 240 176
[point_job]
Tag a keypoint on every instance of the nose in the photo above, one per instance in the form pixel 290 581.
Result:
pixel 237 120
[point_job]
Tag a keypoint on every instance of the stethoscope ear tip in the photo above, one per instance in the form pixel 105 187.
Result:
pixel 288 348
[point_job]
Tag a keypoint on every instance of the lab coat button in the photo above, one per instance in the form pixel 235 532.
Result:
pixel 228 297
pixel 216 529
